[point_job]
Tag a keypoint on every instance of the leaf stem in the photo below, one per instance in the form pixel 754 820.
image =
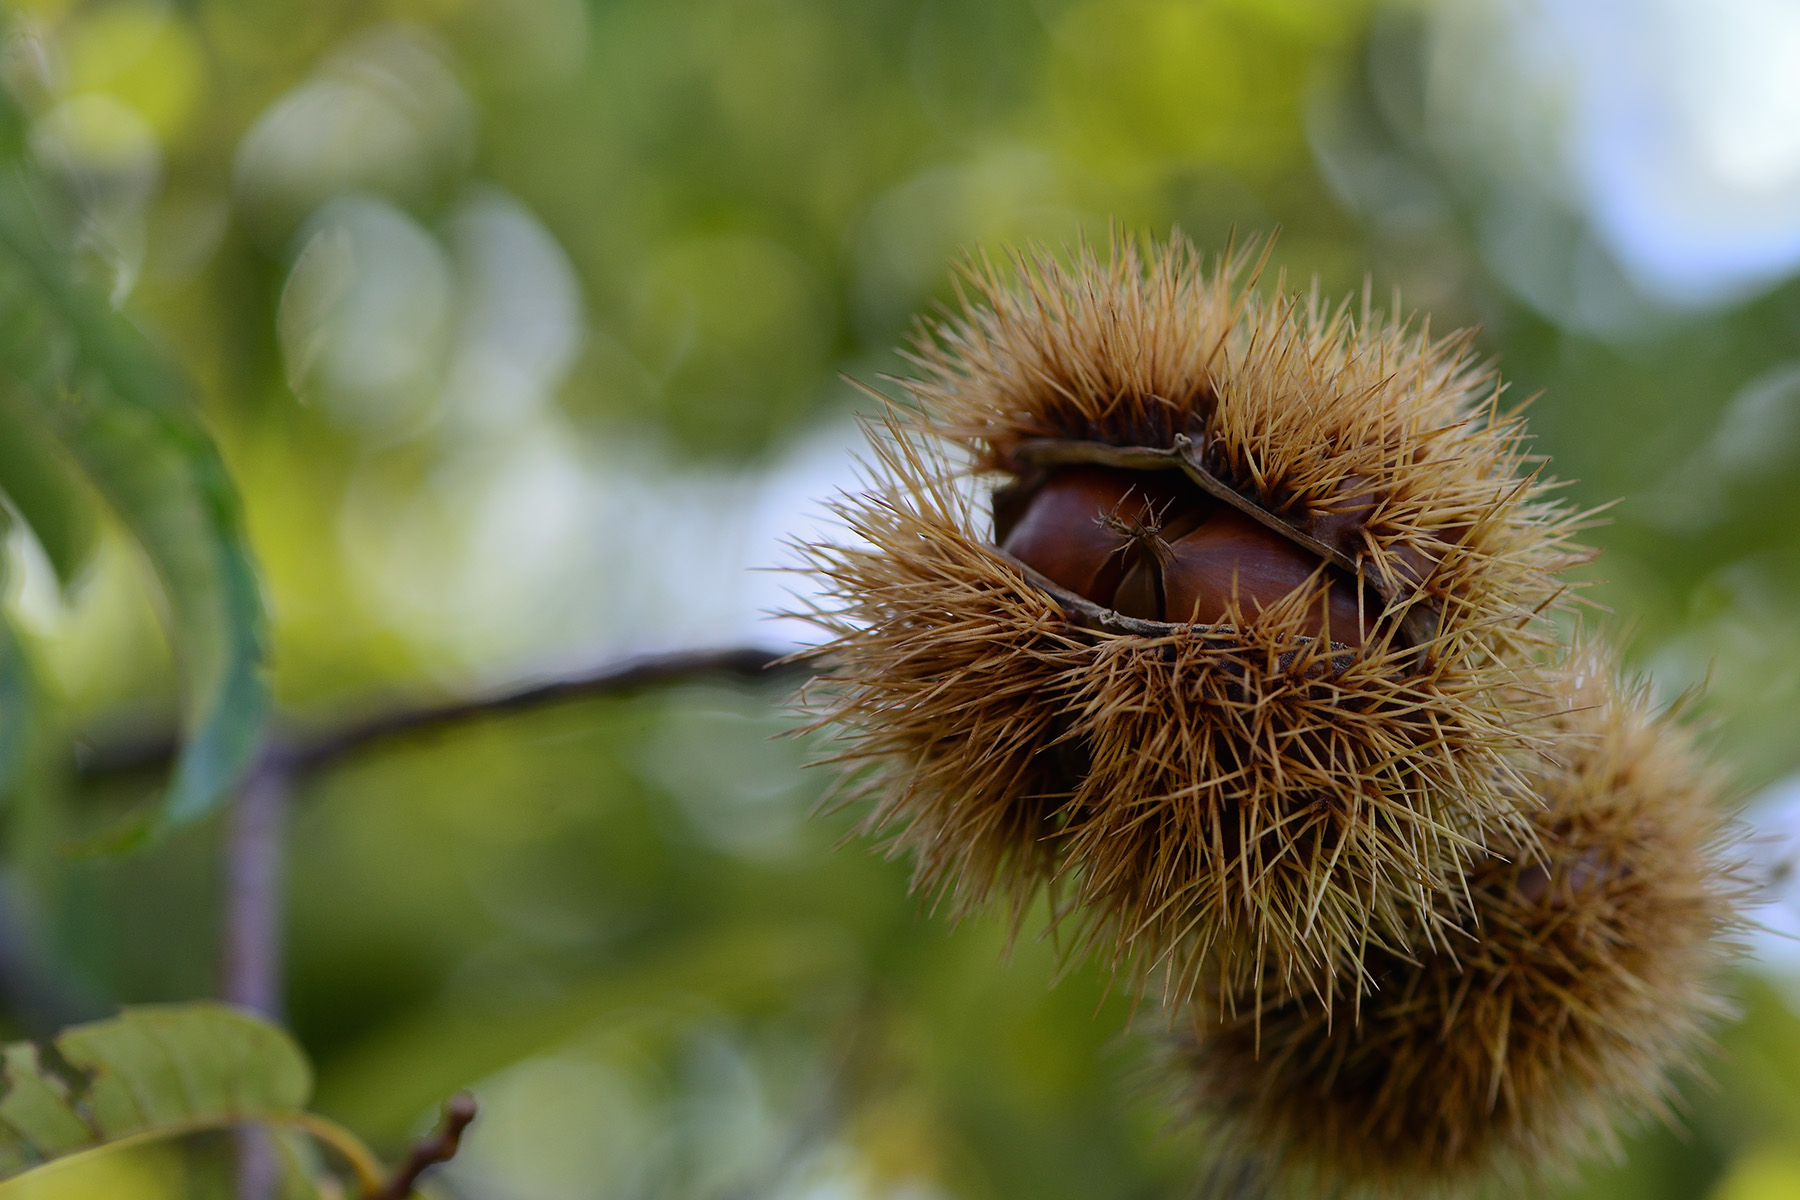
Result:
pixel 370 1175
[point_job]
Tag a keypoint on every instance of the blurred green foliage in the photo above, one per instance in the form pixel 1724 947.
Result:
pixel 434 267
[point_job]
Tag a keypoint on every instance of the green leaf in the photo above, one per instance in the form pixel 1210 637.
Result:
pixel 154 1071
pixel 117 409
pixel 36 475
pixel 160 1072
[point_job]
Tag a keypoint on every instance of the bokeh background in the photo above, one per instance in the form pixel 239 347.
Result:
pixel 525 325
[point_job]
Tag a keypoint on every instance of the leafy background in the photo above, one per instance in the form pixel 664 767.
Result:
pixel 520 327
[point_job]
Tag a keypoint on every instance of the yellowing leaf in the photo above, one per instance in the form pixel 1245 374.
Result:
pixel 153 1071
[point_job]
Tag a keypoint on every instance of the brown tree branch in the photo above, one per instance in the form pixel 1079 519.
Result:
pixel 632 675
pixel 440 1147
pixel 304 750
pixel 255 849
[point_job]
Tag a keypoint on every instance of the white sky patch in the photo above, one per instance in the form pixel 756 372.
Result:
pixel 529 550
pixel 1659 137
pixel 1774 818
pixel 1685 145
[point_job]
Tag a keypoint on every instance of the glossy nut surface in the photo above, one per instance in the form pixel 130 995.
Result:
pixel 1233 555
pixel 1074 530
pixel 1149 544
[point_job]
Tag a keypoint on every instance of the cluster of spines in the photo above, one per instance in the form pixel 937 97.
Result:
pixel 1323 851
pixel 1313 411
pixel 947 685
pixel 1255 802
pixel 1210 797
pixel 1155 778
pixel 1581 978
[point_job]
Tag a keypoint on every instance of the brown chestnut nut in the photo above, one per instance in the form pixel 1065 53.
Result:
pixel 1232 552
pixel 1087 528
pixel 1151 545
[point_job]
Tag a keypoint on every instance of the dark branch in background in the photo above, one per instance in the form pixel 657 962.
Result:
pixel 440 1147
pixel 630 676
pixel 301 752
pixel 256 846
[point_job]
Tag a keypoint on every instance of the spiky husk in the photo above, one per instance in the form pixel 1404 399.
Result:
pixel 1357 430
pixel 1214 798
pixel 949 678
pixel 1582 983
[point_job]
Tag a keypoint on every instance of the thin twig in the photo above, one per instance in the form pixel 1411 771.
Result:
pixel 632 675
pixel 254 904
pixel 440 1147
pixel 253 977
pixel 304 750
pixel 253 887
